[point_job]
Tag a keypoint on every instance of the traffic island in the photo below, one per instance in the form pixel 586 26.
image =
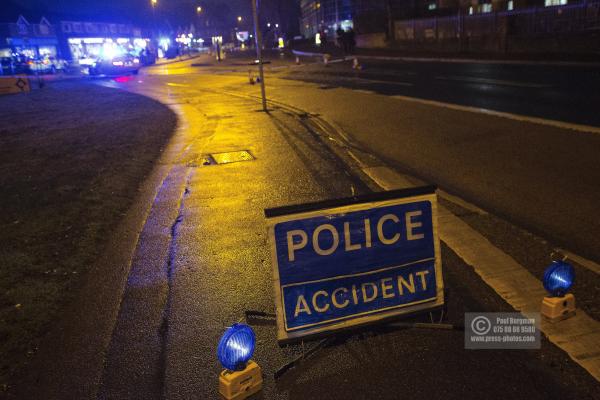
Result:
pixel 72 157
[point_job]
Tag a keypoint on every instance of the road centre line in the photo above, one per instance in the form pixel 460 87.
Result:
pixel 473 79
pixel 396 83
pixel 366 80
pixel 578 336
pixel 501 114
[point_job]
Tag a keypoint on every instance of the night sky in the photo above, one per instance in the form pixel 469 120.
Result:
pixel 177 13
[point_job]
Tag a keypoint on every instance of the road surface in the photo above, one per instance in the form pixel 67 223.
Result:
pixel 203 257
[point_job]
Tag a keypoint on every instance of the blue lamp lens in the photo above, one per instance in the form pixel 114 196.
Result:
pixel 236 347
pixel 559 278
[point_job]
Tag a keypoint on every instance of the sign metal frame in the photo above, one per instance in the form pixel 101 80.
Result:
pixel 341 206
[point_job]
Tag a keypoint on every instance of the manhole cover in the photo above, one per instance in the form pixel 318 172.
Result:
pixel 232 156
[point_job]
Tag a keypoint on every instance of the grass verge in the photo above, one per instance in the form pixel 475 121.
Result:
pixel 72 157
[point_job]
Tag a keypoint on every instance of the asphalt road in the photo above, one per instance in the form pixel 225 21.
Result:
pixel 217 267
pixel 564 93
pixel 538 176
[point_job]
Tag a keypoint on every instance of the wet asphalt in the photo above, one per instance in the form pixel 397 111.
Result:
pixel 204 260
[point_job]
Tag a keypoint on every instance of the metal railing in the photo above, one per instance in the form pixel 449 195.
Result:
pixel 576 18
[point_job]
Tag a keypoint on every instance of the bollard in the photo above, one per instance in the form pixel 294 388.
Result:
pixel 297 60
pixel 326 59
pixel 251 77
pixel 355 64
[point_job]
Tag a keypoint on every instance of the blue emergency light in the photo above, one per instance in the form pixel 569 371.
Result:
pixel 559 278
pixel 236 347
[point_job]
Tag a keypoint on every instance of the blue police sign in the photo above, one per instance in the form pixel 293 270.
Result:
pixel 353 261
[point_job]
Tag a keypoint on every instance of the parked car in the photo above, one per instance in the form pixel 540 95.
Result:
pixel 116 66
pixel 44 65
pixel 6 66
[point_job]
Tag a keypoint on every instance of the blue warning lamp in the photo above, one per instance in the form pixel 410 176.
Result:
pixel 559 278
pixel 236 347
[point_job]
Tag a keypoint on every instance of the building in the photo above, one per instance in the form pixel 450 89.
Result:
pixel 81 41
pixel 378 16
pixel 64 37
pixel 325 15
pixel 27 39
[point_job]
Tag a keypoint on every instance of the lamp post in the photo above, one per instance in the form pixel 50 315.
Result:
pixel 153 4
pixel 258 41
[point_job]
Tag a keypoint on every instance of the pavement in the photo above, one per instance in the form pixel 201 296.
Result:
pixel 202 256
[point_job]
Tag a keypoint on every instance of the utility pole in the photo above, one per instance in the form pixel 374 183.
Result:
pixel 258 41
pixel 390 20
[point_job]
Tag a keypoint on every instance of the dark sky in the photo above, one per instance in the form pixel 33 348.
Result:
pixel 176 12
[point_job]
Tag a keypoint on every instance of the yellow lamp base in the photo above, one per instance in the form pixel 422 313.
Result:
pixel 237 385
pixel 556 309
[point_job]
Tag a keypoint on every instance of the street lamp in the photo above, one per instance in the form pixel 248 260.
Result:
pixel 239 19
pixel 198 9
pixel 153 3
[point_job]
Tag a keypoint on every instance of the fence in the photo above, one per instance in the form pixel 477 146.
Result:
pixel 498 29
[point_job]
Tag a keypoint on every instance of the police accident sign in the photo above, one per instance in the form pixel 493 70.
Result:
pixel 348 262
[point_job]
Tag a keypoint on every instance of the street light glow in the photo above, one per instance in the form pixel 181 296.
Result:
pixel 154 2
pixel 239 19
pixel 199 9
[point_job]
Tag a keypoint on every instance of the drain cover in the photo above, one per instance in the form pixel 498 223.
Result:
pixel 232 156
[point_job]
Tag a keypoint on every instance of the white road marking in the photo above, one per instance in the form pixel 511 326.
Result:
pixel 361 165
pixel 394 83
pixel 480 61
pixel 516 117
pixel 387 178
pixel 363 91
pixel 473 79
pixel 463 203
pixel 584 262
pixel 577 336
pixel 366 80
